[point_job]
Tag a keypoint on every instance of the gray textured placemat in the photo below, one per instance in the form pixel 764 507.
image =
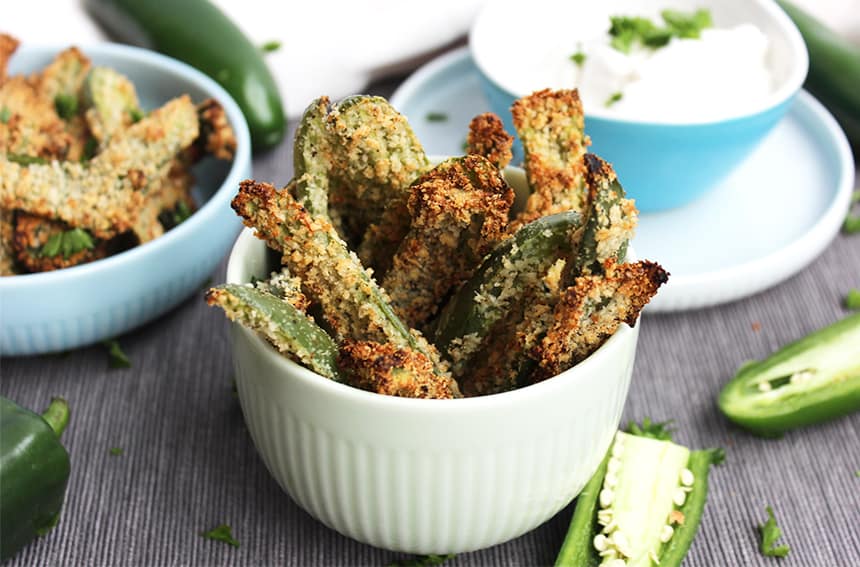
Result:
pixel 189 464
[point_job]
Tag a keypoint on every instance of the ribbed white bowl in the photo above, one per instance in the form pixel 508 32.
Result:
pixel 426 476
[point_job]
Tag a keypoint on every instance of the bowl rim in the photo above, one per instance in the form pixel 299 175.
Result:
pixel 205 214
pixel 781 95
pixel 350 394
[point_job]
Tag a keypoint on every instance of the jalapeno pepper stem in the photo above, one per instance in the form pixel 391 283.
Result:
pixel 57 415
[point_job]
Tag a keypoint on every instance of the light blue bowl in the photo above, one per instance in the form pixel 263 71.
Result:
pixel 69 308
pixel 661 165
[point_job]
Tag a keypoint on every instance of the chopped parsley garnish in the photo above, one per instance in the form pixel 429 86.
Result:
pixel 116 451
pixel 422 560
pixel 221 533
pixel 687 25
pixel 136 114
pixel 68 242
pixel 5 114
pixel 770 532
pixel 660 430
pixel 66 105
pixel 613 99
pixel 578 58
pixel 23 159
pixel 270 46
pixel 436 117
pixel 116 357
pixel 852 300
pixel 627 31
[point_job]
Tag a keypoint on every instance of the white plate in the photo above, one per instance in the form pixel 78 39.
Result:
pixel 773 216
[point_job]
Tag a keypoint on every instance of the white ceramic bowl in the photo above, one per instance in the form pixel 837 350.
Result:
pixel 426 476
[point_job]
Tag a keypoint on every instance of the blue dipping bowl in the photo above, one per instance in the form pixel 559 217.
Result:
pixel 73 307
pixel 662 165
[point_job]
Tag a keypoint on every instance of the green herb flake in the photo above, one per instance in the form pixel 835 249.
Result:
pixel 270 46
pixel 91 146
pixel 116 357
pixel 770 532
pixel 136 114
pixel 436 117
pixel 578 58
pixel 421 560
pixel 660 430
pixel 66 105
pixel 181 213
pixel 687 25
pixel 627 31
pixel 852 299
pixel 221 533
pixel 116 451
pixel 852 222
pixel 69 243
pixel 5 114
pixel 23 159
pixel 613 99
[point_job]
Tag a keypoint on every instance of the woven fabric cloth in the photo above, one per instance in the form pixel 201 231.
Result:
pixel 188 463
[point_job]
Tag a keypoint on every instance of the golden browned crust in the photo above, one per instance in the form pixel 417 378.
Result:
pixel 107 195
pixel 8 46
pixel 31 233
pixel 550 125
pixel 459 211
pixel 591 310
pixel 7 252
pixel 487 137
pixel 64 75
pixel 164 196
pixel 32 127
pixel 386 369
pixel 216 134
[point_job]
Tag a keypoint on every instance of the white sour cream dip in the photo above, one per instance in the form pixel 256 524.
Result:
pixel 719 74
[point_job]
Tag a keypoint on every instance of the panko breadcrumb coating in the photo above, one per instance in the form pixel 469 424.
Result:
pixel 550 125
pixel 387 369
pixel 106 195
pixel 487 137
pixel 8 46
pixel 591 310
pixel 459 212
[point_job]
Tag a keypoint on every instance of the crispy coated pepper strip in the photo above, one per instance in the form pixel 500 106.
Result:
pixel 8 46
pixel 611 220
pixel 106 197
pixel 503 363
pixel 312 158
pixel 487 137
pixel 386 369
pixel 175 188
pixel 591 310
pixel 112 101
pixel 289 329
pixel 31 125
pixel 459 213
pixel 64 76
pixel 375 154
pixel 353 305
pixel 550 126
pixel 517 264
